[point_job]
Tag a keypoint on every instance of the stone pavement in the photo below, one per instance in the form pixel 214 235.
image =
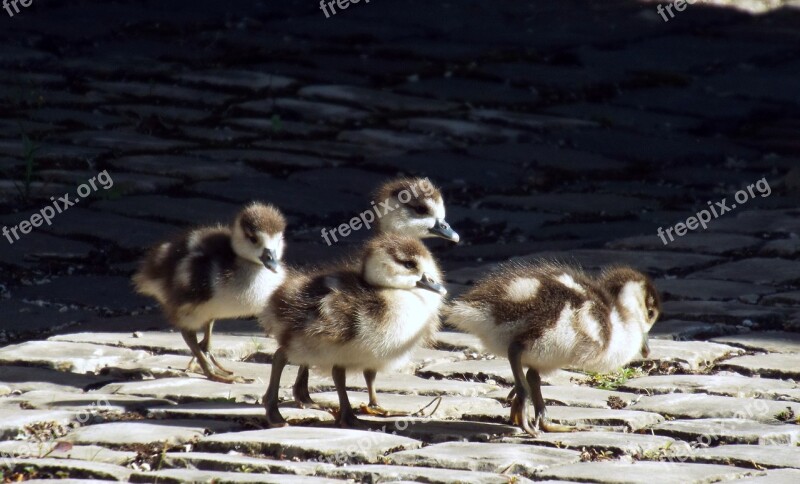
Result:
pixel 556 128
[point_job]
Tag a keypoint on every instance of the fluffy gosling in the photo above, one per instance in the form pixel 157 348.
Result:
pixel 354 318
pixel 418 209
pixel 545 316
pixel 418 212
pixel 210 273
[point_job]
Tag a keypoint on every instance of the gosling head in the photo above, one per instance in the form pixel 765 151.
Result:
pixel 636 297
pixel 417 209
pixel 400 262
pixel 258 235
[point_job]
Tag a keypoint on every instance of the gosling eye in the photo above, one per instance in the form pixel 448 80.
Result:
pixel 651 314
pixel 420 209
pixel 251 237
pixel 409 264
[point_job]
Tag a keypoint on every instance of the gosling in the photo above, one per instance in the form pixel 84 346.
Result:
pixel 546 316
pixel 354 319
pixel 217 272
pixel 418 211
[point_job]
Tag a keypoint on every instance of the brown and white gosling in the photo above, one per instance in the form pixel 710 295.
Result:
pixel 349 318
pixel 546 316
pixel 210 273
pixel 419 213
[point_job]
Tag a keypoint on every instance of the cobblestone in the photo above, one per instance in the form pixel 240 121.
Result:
pixel 566 130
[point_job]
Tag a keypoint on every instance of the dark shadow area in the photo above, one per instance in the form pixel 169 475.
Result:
pixel 552 127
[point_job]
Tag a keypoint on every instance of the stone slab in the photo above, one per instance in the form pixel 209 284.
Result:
pixel 127 434
pixel 480 457
pixel 621 472
pixel 766 456
pixel 85 403
pixel 681 330
pixel 390 473
pixel 768 341
pixel 756 270
pixel 116 228
pixel 702 242
pixel 73 467
pixel 195 389
pixel 225 346
pixel 339 445
pixel 235 462
pixel 24 379
pixel 237 79
pixel 455 341
pixel 186 167
pixel 13 421
pixel 39 247
pixel 126 140
pixel 616 442
pixel 236 411
pixel 788 298
pixel 74 357
pixel 775 365
pixel 183 211
pixel 781 248
pixel 582 417
pixel 435 430
pixel 780 476
pixel 427 356
pixel 406 384
pixel 574 396
pixel 384 100
pixel 730 312
pixel 106 293
pixel 491 371
pixel 690 355
pixel 571 203
pixel 730 431
pixel 309 110
pixel 170 476
pixel 453 407
pixel 725 385
pixel 94 453
pixel 172 366
pixel 587 417
pixel 647 261
pixel 392 139
pixel 124 183
pixel 698 405
pixel 712 289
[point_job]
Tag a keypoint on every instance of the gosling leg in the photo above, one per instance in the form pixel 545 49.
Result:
pixel 519 406
pixel 205 345
pixel 373 408
pixel 540 421
pixel 300 389
pixel 274 417
pixel 208 369
pixel 347 417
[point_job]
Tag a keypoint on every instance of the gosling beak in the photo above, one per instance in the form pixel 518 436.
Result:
pixel 442 229
pixel 645 346
pixel 428 283
pixel 270 260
